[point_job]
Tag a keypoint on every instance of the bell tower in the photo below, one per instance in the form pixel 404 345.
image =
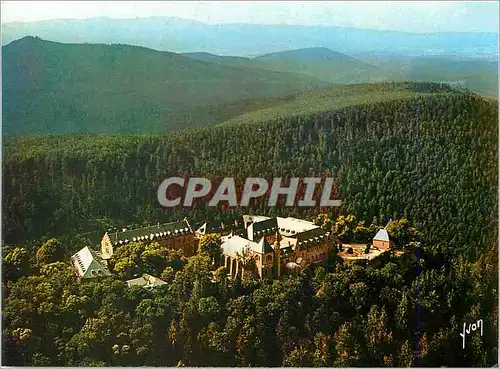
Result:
pixel 277 254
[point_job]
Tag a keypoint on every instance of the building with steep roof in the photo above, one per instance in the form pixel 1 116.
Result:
pixel 175 235
pixel 313 245
pixel 295 243
pixel 382 240
pixel 291 226
pixel 146 281
pixel 249 219
pixel 237 250
pixel 300 239
pixel 209 228
pixel 260 228
pixel 222 228
pixel 89 264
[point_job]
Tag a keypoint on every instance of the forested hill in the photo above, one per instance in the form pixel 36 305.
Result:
pixel 368 147
pixel 336 97
pixel 58 88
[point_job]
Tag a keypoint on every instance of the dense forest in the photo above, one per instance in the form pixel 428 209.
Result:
pixel 446 176
pixel 429 156
pixel 405 311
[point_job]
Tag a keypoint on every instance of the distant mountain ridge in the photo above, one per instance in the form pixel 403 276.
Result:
pixel 180 35
pixel 478 74
pixel 306 54
pixel 319 62
pixel 213 57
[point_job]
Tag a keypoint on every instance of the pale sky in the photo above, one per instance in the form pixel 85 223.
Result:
pixel 410 16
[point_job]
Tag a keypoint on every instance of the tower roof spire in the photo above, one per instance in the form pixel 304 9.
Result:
pixel 277 240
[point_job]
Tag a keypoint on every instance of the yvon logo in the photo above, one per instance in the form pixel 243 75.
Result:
pixel 472 327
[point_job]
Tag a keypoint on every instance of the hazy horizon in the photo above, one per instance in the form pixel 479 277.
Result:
pixel 408 16
pixel 240 24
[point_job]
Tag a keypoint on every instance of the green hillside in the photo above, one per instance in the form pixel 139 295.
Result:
pixel 68 88
pixel 478 75
pixel 52 88
pixel 335 98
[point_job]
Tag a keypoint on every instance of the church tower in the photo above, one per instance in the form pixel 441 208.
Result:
pixel 277 255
